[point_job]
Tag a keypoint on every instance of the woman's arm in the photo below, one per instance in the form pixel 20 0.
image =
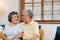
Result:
pixel 4 37
pixel 19 35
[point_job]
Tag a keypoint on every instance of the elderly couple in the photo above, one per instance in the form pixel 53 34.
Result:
pixel 28 29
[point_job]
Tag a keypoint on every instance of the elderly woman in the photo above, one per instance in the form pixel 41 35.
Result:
pixel 30 27
pixel 13 30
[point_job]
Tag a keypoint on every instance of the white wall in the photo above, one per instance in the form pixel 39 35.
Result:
pixel 49 31
pixel 8 6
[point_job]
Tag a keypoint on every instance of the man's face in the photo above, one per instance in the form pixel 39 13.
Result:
pixel 25 16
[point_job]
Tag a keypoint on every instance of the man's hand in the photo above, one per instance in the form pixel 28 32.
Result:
pixel 34 37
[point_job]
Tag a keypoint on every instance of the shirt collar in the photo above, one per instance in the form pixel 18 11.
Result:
pixel 30 22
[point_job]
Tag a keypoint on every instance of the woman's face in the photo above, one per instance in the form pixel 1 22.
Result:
pixel 25 17
pixel 14 18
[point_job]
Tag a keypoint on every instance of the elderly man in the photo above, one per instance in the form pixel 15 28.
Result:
pixel 30 27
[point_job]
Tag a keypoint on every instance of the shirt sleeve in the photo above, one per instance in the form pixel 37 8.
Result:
pixel 20 28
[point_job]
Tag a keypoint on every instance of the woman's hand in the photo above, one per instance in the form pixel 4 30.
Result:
pixel 11 38
pixel 14 39
pixel 4 37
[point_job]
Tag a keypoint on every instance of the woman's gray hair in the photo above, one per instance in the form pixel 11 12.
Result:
pixel 29 13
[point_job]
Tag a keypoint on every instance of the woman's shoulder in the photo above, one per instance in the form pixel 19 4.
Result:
pixel 18 25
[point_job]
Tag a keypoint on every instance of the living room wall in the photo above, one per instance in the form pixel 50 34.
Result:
pixel 6 6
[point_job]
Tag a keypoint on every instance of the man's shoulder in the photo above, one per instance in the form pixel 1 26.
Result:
pixel 35 22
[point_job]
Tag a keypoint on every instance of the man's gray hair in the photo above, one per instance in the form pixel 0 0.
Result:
pixel 29 13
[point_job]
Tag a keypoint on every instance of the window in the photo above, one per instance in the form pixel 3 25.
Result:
pixel 47 11
pixel 56 10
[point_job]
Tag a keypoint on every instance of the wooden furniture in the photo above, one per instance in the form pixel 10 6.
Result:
pixel 41 34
